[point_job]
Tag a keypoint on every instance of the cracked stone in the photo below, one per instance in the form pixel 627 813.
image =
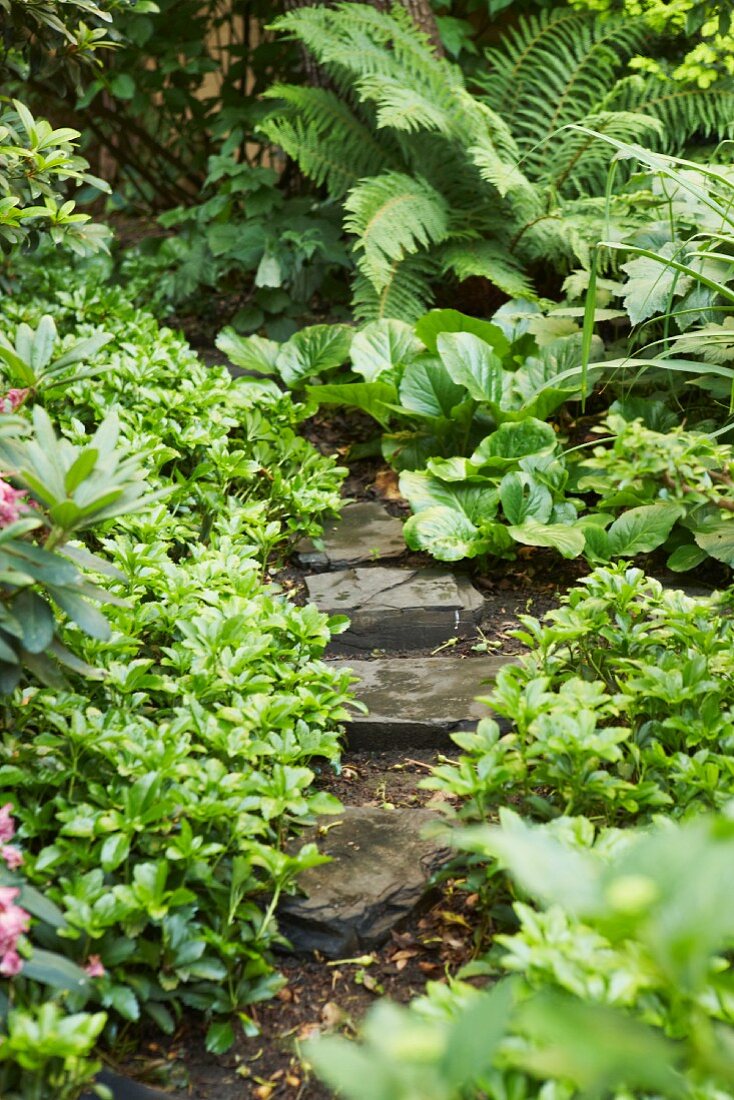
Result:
pixel 396 609
pixel 380 871
pixel 418 702
pixel 365 532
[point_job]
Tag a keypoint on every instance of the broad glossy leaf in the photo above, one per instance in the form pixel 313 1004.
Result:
pixel 471 363
pixel 375 398
pixel 312 351
pixel 641 530
pixel 56 971
pixel 686 557
pixel 382 346
pixel 422 491
pixel 90 620
pixel 427 389
pixel 43 344
pixel 445 533
pixel 717 540
pixel 432 324
pixel 568 541
pixel 512 441
pixel 249 352
pixel 524 498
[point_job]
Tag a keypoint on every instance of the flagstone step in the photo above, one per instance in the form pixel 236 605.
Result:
pixel 380 871
pixel 364 532
pixel 396 609
pixel 418 702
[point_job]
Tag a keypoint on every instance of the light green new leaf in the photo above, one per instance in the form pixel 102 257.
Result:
pixel 471 363
pixel 568 541
pixel 382 346
pixel 641 530
pixel 448 535
pixel 313 351
pixel 375 398
pixel 427 389
pixel 249 352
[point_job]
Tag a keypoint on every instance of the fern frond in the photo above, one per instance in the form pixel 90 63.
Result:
pixel 554 67
pixel 406 295
pixel 326 139
pixel 683 110
pixel 489 260
pixel 401 106
pixel 393 216
pixel 578 164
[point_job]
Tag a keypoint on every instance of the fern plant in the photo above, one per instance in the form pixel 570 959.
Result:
pixel 438 181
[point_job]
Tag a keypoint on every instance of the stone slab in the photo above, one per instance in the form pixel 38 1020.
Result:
pixel 380 871
pixel 418 702
pixel 365 532
pixel 125 1088
pixel 396 610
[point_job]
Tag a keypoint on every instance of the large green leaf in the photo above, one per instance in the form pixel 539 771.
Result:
pixel 445 533
pixel 55 971
pixel 249 352
pixel 432 324
pixel 717 540
pixel 375 398
pixel 427 389
pixel 422 491
pixel 313 351
pixel 568 541
pixel 382 346
pixel 471 363
pixel 524 498
pixel 512 441
pixel 641 530
pixel 36 619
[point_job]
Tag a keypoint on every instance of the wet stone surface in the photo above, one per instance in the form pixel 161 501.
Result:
pixel 124 1088
pixel 364 533
pixel 418 702
pixel 396 609
pixel 380 870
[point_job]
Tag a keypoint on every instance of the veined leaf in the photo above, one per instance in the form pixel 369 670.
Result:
pixel 471 363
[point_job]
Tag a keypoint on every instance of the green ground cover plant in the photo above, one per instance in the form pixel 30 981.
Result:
pixel 621 985
pixel 153 801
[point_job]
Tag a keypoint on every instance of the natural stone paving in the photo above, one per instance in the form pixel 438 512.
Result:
pixel 396 609
pixel 380 870
pixel 365 532
pixel 124 1088
pixel 417 702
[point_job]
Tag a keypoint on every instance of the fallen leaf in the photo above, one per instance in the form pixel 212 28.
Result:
pixel 387 485
pixel 308 1031
pixel 331 1015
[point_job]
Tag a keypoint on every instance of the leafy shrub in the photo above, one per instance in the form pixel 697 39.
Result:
pixel 42 1045
pixel 619 986
pixel 246 236
pixel 438 181
pixel 154 802
pixel 623 708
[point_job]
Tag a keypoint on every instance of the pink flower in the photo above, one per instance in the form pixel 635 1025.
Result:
pixel 12 504
pixel 7 825
pixel 10 963
pixel 94 967
pixel 12 400
pixel 13 920
pixel 12 856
